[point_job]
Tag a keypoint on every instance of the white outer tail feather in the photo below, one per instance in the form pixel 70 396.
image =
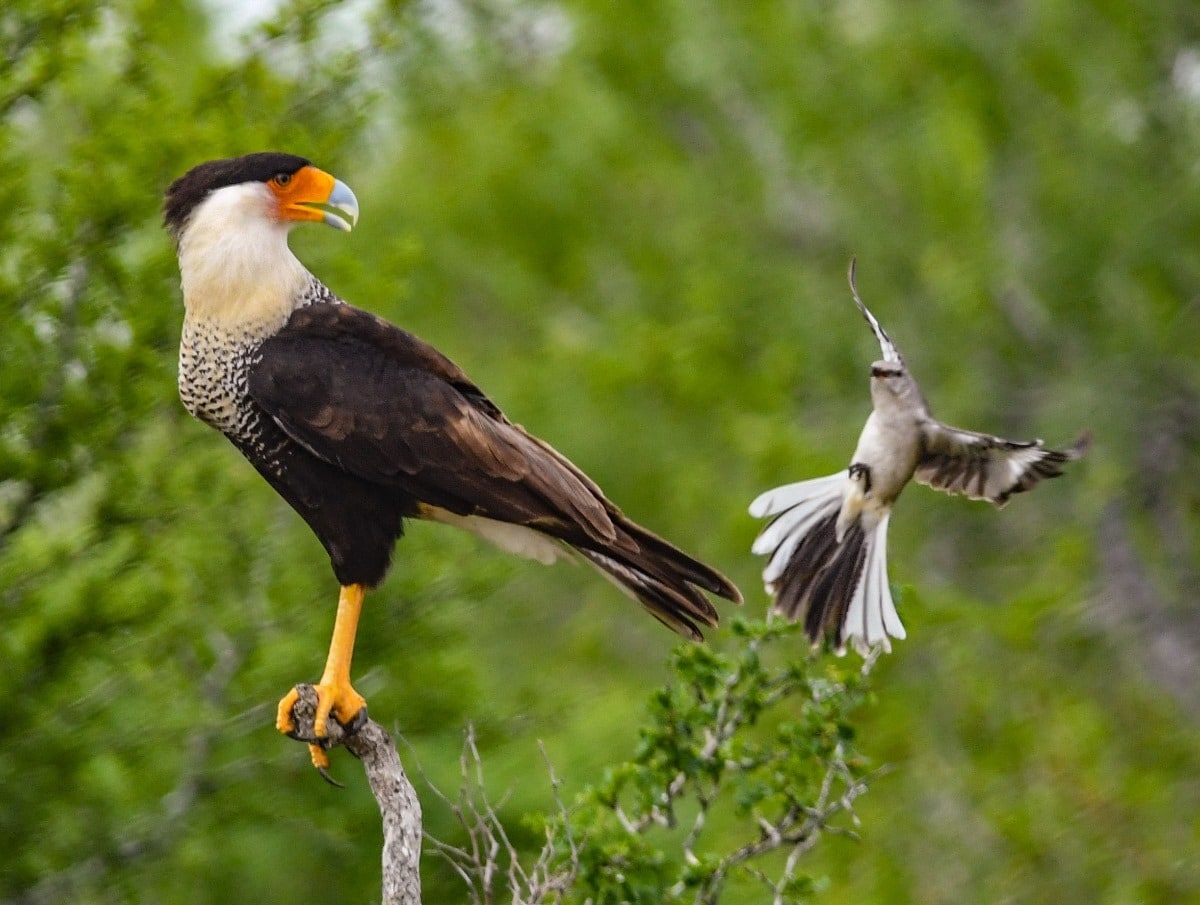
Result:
pixel 872 615
pixel 798 507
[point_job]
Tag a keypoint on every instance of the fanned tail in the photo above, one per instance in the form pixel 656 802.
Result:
pixel 834 585
pixel 871 615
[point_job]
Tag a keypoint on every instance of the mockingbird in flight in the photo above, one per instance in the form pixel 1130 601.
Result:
pixel 827 539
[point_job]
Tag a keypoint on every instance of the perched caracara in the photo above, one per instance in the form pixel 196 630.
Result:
pixel 827 540
pixel 360 425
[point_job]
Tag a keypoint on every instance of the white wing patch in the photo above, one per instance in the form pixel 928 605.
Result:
pixel 983 467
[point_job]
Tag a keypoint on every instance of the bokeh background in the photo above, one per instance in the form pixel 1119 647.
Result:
pixel 630 222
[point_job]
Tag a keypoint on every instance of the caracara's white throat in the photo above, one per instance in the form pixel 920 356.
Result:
pixel 238 272
pixel 241 283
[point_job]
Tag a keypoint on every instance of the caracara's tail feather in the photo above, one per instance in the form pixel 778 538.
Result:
pixel 835 586
pixel 667 582
pixel 677 606
pixel 673 564
pixel 661 577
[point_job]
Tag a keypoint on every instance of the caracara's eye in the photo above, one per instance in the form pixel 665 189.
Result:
pixel 283 179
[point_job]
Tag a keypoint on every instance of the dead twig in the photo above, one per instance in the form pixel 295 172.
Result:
pixel 395 795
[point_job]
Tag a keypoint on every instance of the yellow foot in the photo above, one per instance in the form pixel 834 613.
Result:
pixel 335 696
pixel 341 701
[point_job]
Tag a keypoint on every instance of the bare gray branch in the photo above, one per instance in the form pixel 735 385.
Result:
pixel 397 799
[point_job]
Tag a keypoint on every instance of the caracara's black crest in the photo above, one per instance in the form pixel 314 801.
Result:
pixel 195 185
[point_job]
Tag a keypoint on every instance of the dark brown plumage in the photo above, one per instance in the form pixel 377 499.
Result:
pixel 409 432
pixel 359 425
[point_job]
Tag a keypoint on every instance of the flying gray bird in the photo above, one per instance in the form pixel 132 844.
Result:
pixel 827 540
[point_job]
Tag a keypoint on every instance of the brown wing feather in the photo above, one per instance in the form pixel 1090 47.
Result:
pixel 376 401
pixel 380 404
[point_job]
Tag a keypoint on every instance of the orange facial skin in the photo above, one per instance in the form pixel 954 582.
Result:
pixel 313 195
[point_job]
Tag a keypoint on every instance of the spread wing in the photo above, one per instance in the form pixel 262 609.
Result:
pixel 983 467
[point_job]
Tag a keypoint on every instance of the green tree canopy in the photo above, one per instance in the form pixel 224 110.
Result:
pixel 630 223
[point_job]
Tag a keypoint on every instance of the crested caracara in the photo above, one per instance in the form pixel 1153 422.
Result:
pixel 360 425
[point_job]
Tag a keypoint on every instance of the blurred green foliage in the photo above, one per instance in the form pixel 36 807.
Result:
pixel 630 223
pixel 745 759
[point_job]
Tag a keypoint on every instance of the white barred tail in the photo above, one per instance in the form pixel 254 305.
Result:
pixel 833 584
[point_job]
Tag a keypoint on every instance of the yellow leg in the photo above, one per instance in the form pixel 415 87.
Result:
pixel 335 695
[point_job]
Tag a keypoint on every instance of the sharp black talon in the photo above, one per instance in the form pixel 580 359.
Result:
pixel 357 723
pixel 858 470
pixel 329 779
